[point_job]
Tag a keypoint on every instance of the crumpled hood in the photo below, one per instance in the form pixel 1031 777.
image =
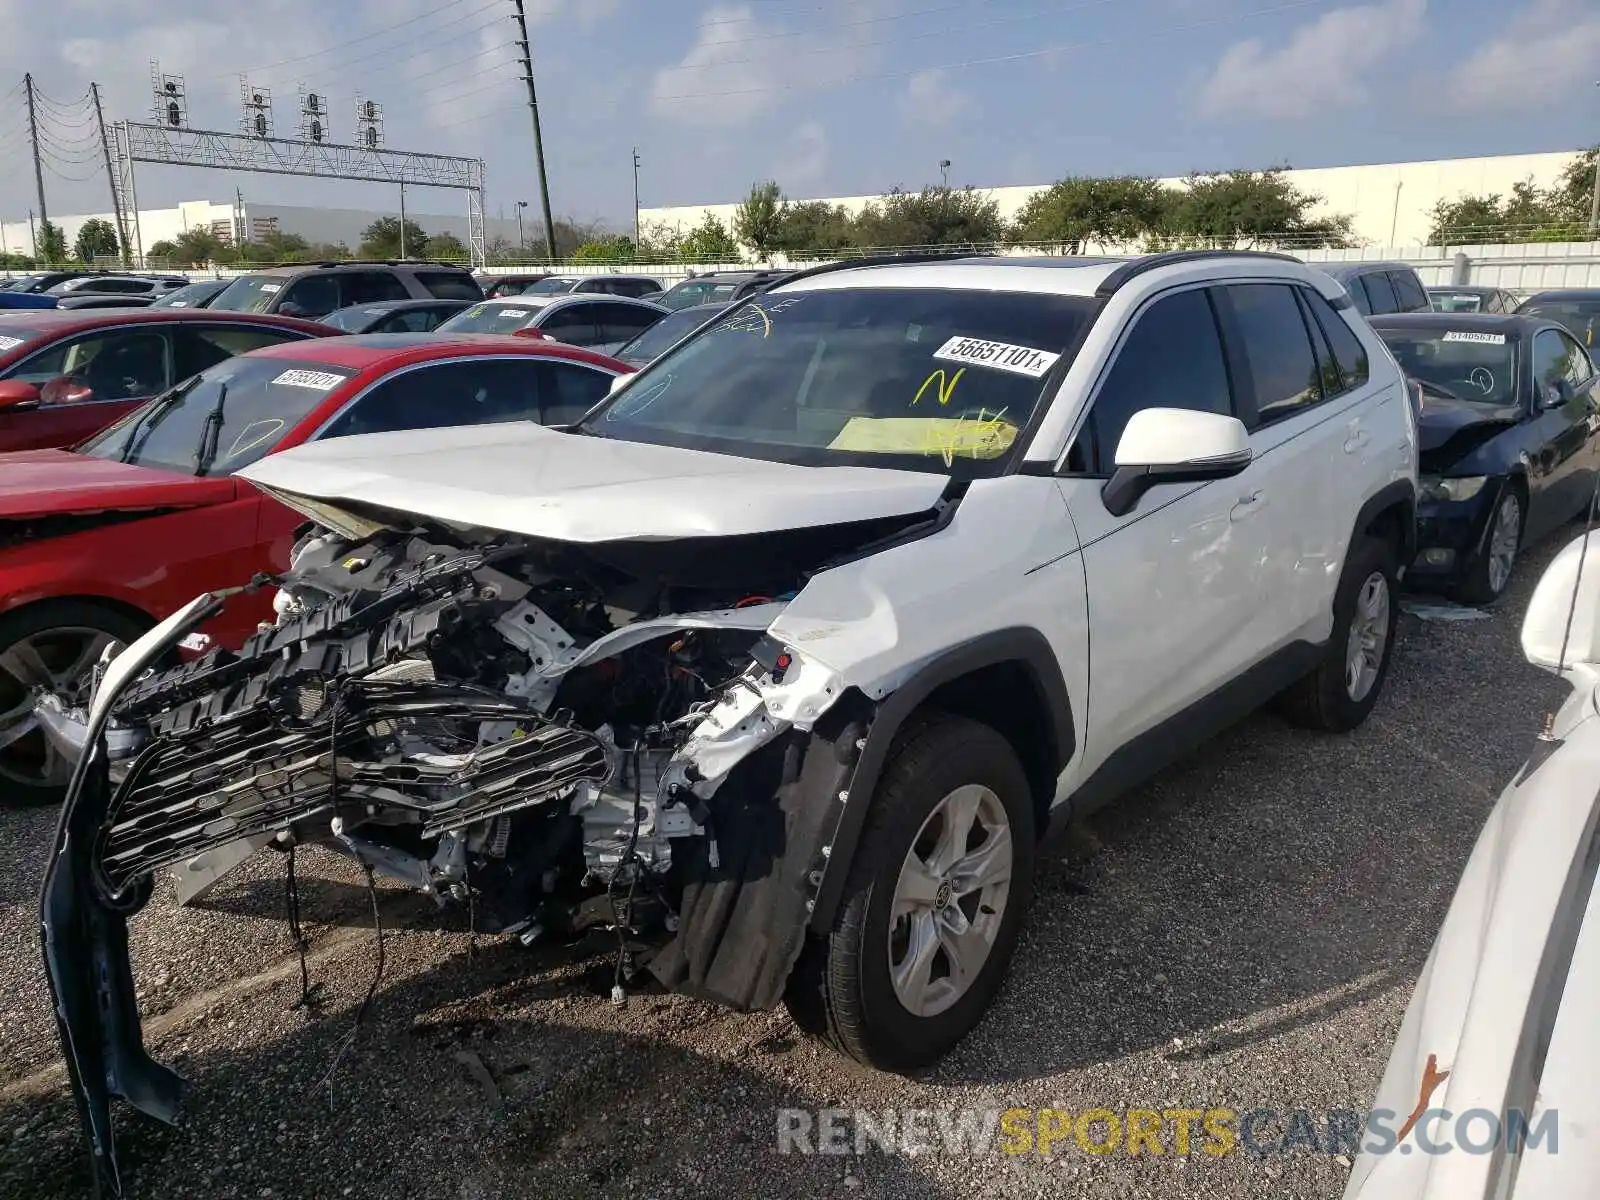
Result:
pixel 36 483
pixel 524 478
pixel 1443 419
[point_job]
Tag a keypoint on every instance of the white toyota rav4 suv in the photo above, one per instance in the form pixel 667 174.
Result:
pixel 777 668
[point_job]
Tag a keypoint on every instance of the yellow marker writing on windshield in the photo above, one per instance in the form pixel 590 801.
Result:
pixel 942 388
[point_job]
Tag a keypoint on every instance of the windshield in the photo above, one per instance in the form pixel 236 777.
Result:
pixel 929 379
pixel 650 344
pixel 249 293
pixel 265 399
pixel 25 283
pixel 1456 301
pixel 1470 365
pixel 187 297
pixel 355 318
pixel 698 291
pixel 1580 317
pixel 553 286
pixel 493 316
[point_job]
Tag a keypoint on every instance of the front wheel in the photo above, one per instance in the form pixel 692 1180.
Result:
pixel 1344 687
pixel 47 647
pixel 1490 572
pixel 933 904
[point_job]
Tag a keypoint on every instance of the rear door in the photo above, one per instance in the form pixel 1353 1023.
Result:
pixel 372 287
pixel 573 323
pixel 1409 291
pixel 86 383
pixel 1380 293
pixel 619 324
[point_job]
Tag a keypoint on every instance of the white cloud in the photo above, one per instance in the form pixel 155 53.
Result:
pixel 741 66
pixel 1548 54
pixel 1324 65
pixel 931 98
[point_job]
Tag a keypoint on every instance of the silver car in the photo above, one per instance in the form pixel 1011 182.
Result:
pixel 600 323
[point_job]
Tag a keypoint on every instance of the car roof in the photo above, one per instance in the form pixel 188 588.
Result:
pixel 1590 293
pixel 408 302
pixel 1475 289
pixel 356 265
pixel 365 351
pixel 568 300
pixel 56 321
pixel 1345 270
pixel 1050 275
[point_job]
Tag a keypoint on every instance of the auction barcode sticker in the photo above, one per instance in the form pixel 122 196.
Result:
pixel 1002 356
pixel 1488 339
pixel 9 343
pixel 321 380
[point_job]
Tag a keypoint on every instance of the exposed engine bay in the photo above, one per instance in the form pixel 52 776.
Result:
pixel 535 729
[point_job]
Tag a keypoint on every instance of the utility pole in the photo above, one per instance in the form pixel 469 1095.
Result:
pixel 636 197
pixel 33 135
pixel 538 138
pixel 111 175
pixel 402 221
pixel 33 236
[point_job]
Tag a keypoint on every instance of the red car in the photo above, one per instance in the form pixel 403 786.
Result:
pixel 67 373
pixel 99 542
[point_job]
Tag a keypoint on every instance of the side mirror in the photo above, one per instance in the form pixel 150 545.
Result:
pixel 1173 445
pixel 18 393
pixel 1555 395
pixel 1568 589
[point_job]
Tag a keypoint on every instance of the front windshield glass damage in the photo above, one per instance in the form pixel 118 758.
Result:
pixel 931 379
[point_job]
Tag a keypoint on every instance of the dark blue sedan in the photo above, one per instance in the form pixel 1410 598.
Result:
pixel 395 316
pixel 1508 439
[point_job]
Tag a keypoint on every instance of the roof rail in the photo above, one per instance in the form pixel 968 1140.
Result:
pixel 1151 262
pixel 886 260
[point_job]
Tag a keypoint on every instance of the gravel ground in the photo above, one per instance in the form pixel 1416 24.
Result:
pixel 1244 932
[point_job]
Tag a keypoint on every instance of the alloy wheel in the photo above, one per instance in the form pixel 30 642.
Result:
pixel 60 661
pixel 1369 635
pixel 1504 539
pixel 949 900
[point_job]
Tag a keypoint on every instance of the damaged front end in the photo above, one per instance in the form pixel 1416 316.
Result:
pixel 562 737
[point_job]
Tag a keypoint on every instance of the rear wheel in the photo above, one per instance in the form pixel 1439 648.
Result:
pixel 48 647
pixel 933 904
pixel 1344 687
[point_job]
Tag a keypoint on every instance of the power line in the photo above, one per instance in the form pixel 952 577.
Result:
pixel 1064 48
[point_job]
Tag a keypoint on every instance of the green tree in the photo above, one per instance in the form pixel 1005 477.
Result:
pixel 52 243
pixel 1231 209
pixel 1075 211
pixel 165 248
pixel 935 216
pixel 814 229
pixel 708 242
pixel 446 246
pixel 758 222
pixel 617 248
pixel 96 239
pixel 196 247
pixel 381 239
pixel 276 247
pixel 1573 195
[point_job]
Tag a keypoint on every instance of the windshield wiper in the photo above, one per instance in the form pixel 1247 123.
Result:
pixel 211 433
pixel 136 438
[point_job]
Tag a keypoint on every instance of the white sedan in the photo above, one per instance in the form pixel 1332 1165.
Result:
pixel 1490 1089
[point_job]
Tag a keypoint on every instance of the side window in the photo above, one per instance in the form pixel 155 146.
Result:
pixel 195 349
pixel 127 365
pixel 449 285
pixel 567 391
pixel 1579 370
pixel 310 296
pixel 573 324
pixel 1411 296
pixel 1381 293
pixel 1343 343
pixel 1276 348
pixel 1358 296
pixel 445 394
pixel 1549 360
pixel 369 287
pixel 1171 358
pixel 623 322
pixel 411 320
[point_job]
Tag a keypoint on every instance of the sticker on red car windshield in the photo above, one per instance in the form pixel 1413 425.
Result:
pixel 1002 356
pixel 1488 339
pixel 9 343
pixel 321 380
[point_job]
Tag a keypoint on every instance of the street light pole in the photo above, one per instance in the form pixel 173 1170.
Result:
pixel 1594 200
pixel 636 196
pixel 944 171
pixel 520 205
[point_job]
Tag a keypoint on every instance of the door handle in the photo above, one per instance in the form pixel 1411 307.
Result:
pixel 1247 505
pixel 1355 441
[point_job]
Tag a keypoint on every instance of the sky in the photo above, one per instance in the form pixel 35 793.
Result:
pixel 828 97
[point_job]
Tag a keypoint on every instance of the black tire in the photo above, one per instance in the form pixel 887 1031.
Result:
pixel 842 987
pixel 15 759
pixel 1477 586
pixel 1322 700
